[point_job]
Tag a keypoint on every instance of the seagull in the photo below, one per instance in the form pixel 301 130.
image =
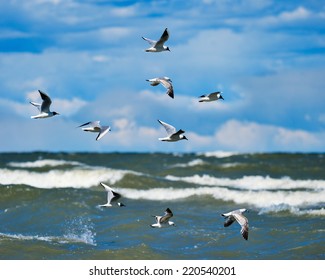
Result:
pixel 95 127
pixel 211 97
pixel 166 82
pixel 111 196
pixel 158 46
pixel 237 215
pixel 43 108
pixel 172 134
pixel 163 221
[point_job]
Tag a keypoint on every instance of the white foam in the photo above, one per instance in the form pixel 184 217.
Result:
pixel 294 210
pixel 80 230
pixel 192 163
pixel 43 163
pixel 75 178
pixel 260 199
pixel 252 182
pixel 218 154
pixel 84 238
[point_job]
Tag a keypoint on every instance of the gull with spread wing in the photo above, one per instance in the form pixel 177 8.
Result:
pixel 158 46
pixel 44 108
pixel 163 221
pixel 237 215
pixel 166 82
pixel 172 134
pixel 95 127
pixel 211 97
pixel 111 196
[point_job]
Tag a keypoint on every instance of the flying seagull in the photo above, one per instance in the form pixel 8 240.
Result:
pixel 163 221
pixel 158 46
pixel 237 215
pixel 43 108
pixel 95 127
pixel 166 82
pixel 111 196
pixel 211 97
pixel 172 135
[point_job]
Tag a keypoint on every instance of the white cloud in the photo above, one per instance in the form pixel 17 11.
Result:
pixel 125 12
pixel 68 107
pixel 251 136
pixel 297 14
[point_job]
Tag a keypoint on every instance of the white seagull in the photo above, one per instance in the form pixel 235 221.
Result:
pixel 166 82
pixel 158 46
pixel 172 135
pixel 211 97
pixel 163 221
pixel 111 196
pixel 95 127
pixel 237 215
pixel 43 108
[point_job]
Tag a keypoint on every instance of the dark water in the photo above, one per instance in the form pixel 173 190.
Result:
pixel 49 205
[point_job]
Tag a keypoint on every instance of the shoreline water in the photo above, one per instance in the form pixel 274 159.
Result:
pixel 49 205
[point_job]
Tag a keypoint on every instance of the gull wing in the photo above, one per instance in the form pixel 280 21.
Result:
pixel 154 81
pixel 84 124
pixel 103 131
pixel 151 42
pixel 243 221
pixel 158 218
pixel 169 86
pixel 37 105
pixel 164 37
pixel 94 124
pixel 229 221
pixel 111 194
pixel 168 214
pixel 45 107
pixel 169 128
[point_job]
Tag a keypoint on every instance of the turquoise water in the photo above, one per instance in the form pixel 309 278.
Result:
pixel 49 205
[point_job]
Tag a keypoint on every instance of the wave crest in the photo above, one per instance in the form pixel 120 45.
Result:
pixel 74 178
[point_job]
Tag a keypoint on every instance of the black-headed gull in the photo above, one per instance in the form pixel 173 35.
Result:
pixel 95 127
pixel 111 196
pixel 43 108
pixel 166 82
pixel 237 215
pixel 158 46
pixel 211 97
pixel 163 221
pixel 172 134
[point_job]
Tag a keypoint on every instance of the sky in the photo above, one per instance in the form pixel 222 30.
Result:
pixel 266 56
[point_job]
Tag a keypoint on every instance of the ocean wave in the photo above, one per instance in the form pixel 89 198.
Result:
pixel 86 238
pixel 192 163
pixel 218 154
pixel 252 182
pixel 74 178
pixel 292 209
pixel 43 163
pixel 259 199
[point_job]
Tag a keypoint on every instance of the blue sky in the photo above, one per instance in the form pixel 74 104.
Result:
pixel 267 57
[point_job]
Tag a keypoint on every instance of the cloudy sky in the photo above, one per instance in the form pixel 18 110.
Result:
pixel 266 56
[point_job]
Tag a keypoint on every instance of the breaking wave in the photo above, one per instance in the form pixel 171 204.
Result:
pixel 43 163
pixel 252 182
pixel 74 178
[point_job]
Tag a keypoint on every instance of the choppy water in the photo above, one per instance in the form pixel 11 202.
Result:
pixel 49 205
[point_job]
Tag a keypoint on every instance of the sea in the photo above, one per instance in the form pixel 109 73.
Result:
pixel 49 206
